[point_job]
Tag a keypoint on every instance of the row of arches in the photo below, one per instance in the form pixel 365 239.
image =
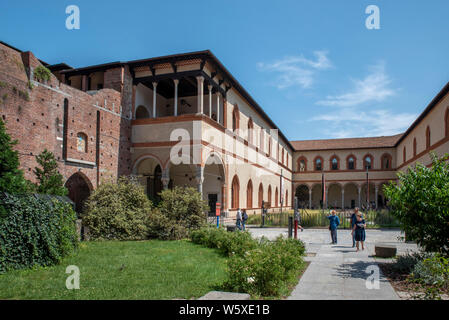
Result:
pixel 250 199
pixel 341 196
pixel 351 163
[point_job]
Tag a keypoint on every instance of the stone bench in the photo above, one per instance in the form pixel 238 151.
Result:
pixel 220 295
pixel 385 250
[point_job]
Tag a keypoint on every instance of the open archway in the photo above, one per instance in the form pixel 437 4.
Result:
pixel 79 187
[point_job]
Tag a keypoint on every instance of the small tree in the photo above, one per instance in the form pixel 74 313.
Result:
pixel 11 177
pixel 420 201
pixel 50 181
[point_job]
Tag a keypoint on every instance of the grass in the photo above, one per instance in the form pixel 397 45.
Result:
pixel 124 270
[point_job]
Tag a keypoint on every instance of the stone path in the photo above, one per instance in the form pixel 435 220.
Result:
pixel 338 272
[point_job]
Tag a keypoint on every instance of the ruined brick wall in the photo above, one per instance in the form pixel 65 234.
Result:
pixel 34 115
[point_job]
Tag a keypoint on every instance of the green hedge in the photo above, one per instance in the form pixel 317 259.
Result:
pixel 35 230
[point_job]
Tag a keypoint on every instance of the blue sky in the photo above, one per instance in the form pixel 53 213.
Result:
pixel 313 66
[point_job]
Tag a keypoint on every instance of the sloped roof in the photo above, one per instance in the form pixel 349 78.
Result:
pixel 347 143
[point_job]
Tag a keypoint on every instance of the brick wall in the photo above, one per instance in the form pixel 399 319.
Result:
pixel 34 115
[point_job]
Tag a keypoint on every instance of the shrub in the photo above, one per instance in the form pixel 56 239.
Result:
pixel 180 211
pixel 261 267
pixel 42 74
pixel 118 211
pixel 266 270
pixel 35 231
pixel 432 271
pixel 420 201
pixel 228 243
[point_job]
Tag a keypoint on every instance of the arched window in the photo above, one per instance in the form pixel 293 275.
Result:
pixel 249 194
pixel 428 137
pixel 447 122
pixel 142 113
pixel 235 191
pixel 414 147
pixel 368 162
pixel 276 196
pixel 235 119
pixel 335 164
pixel 250 130
pixel 269 196
pixel 351 162
pixel 404 154
pixel 318 164
pixel 302 164
pixel 81 142
pixel 260 195
pixel 386 161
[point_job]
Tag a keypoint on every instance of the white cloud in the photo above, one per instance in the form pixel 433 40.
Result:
pixel 353 122
pixel 297 70
pixel 374 87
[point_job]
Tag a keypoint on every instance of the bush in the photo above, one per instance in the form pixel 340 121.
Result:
pixel 432 271
pixel 35 231
pixel 228 243
pixel 260 268
pixel 41 73
pixel 118 211
pixel 50 181
pixel 180 211
pixel 420 201
pixel 266 270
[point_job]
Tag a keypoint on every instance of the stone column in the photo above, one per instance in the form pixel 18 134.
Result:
pixel 84 83
pixel 375 200
pixel 342 198
pixel 218 107
pixel 326 205
pixel 210 100
pixel 310 198
pixel 359 189
pixel 165 178
pixel 176 82
pixel 200 86
pixel 154 99
pixel 200 179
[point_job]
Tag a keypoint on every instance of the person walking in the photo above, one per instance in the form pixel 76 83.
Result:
pixel 334 222
pixel 238 219
pixel 358 231
pixel 244 218
pixel 353 222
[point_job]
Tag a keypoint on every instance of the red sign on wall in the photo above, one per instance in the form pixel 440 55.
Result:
pixel 217 209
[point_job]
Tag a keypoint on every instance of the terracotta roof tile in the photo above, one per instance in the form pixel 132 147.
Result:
pixel 347 143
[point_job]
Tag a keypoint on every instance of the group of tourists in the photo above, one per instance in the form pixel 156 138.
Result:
pixel 358 226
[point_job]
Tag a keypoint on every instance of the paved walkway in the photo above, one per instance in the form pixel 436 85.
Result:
pixel 338 272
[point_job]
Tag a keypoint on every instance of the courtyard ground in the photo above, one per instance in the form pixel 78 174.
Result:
pixel 338 272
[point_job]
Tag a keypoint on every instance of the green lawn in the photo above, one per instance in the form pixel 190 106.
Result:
pixel 124 270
